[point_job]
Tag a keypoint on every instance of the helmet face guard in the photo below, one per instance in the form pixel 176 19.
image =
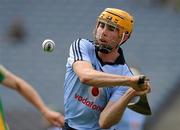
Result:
pixel 118 19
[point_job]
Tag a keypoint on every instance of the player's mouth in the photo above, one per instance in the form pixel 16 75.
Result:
pixel 102 41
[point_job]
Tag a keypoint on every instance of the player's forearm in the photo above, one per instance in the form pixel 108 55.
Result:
pixel 101 79
pixel 30 94
pixel 112 115
pixel 25 89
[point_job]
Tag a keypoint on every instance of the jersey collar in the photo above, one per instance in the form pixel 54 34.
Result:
pixel 119 61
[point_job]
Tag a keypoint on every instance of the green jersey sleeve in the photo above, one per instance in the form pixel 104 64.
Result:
pixel 2 73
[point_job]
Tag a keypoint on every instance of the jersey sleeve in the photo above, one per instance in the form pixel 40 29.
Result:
pixel 79 51
pixel 127 71
pixel 117 92
pixel 2 73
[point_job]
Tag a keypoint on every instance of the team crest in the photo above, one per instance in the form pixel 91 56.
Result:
pixel 95 91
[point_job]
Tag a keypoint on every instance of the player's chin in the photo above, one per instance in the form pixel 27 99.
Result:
pixel 105 44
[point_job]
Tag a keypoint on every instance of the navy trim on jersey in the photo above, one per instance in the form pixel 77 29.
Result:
pixel 130 69
pixel 76 50
pixel 119 60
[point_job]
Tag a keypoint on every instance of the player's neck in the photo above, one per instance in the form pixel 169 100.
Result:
pixel 111 57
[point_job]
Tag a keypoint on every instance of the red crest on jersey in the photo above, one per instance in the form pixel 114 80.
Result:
pixel 95 91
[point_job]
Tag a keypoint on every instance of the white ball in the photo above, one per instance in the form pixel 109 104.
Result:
pixel 48 45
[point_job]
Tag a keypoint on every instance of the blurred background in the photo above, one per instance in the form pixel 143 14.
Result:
pixel 154 49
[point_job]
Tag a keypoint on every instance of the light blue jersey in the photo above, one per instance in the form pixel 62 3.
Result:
pixel 83 103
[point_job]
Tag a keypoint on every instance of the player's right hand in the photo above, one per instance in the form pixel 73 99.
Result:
pixel 53 118
pixel 140 83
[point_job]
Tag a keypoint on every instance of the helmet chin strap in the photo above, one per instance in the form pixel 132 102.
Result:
pixel 106 48
pixel 103 48
pixel 120 43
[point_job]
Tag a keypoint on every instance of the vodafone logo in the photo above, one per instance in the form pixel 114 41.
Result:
pixel 95 91
pixel 88 103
